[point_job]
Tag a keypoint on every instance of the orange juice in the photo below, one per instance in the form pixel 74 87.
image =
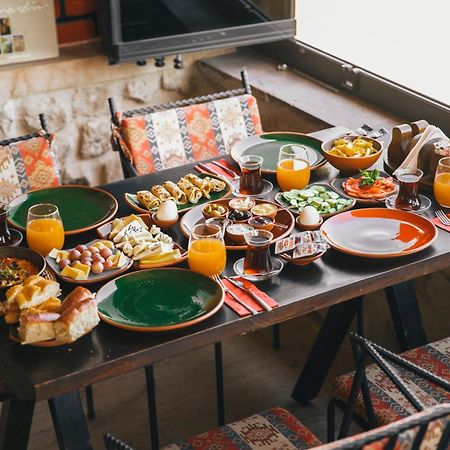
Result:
pixel 45 234
pixel 207 256
pixel 292 174
pixel 442 189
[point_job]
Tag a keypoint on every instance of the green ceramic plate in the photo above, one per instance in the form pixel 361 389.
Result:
pixel 133 203
pixel 267 145
pixel 81 208
pixel 159 300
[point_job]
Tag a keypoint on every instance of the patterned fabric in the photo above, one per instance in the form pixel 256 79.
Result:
pixel 272 429
pixel 388 403
pixel 179 136
pixel 27 165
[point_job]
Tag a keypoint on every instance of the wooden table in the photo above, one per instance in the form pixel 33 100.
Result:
pixel 55 374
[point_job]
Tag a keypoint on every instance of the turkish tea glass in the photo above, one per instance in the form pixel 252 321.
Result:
pixel 257 258
pixel 251 179
pixel 408 193
pixel 5 234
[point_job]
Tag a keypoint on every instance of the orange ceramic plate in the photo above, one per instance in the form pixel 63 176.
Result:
pixel 379 233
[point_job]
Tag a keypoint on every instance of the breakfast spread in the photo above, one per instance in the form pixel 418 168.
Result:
pixel 79 262
pixel 325 201
pixel 15 270
pixel 43 317
pixel 146 245
pixel 352 148
pixel 370 185
pixel 189 189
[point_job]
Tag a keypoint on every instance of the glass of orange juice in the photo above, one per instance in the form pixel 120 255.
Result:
pixel 293 170
pixel 207 253
pixel 45 229
pixel 442 182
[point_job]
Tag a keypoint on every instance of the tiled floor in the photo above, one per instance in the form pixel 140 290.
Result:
pixel 256 377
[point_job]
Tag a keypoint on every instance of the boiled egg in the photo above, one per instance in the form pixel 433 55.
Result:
pixel 309 216
pixel 167 211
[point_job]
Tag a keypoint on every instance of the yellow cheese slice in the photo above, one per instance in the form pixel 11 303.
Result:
pixel 161 257
pixel 83 267
pixel 72 272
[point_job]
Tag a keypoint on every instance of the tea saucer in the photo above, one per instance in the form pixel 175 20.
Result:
pixel 425 203
pixel 267 187
pixel 16 237
pixel 277 267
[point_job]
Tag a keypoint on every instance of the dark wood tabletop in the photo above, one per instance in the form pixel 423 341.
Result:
pixel 43 373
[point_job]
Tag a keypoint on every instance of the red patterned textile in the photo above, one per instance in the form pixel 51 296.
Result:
pixel 272 429
pixel 179 136
pixel 27 165
pixel 388 403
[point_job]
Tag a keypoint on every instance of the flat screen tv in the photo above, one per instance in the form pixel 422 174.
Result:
pixel 135 30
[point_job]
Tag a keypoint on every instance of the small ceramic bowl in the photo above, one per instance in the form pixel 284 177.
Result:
pixel 222 223
pixel 164 224
pixel 265 209
pixel 215 211
pixel 262 223
pixel 351 165
pixel 232 215
pixel 238 236
pixel 305 227
pixel 301 261
pixel 242 204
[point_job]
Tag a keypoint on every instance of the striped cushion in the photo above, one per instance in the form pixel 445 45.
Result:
pixel 179 136
pixel 389 404
pixel 27 165
pixel 272 429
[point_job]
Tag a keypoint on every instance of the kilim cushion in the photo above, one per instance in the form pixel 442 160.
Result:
pixel 269 430
pixel 389 404
pixel 27 165
pixel 179 136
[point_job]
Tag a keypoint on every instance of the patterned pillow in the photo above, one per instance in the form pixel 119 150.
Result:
pixel 27 165
pixel 179 136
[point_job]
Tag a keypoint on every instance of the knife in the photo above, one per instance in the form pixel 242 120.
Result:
pixel 210 171
pixel 255 297
pixel 232 174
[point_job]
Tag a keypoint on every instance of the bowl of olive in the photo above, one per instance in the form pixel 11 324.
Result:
pixel 215 211
pixel 239 216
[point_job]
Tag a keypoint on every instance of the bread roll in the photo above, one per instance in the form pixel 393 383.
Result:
pixel 37 327
pixel 78 295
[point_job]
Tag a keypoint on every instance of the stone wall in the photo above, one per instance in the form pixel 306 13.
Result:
pixel 73 90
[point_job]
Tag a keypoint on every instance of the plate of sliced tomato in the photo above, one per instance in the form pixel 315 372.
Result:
pixel 370 187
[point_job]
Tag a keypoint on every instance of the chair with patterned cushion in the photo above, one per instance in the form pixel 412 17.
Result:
pixel 27 163
pixel 278 429
pixel 154 138
pixel 392 387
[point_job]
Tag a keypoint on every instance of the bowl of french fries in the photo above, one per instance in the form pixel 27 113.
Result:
pixel 352 153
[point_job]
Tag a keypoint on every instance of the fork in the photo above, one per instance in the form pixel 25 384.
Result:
pixel 443 217
pixel 235 297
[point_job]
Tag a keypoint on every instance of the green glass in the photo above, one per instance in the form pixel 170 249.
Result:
pixel 158 298
pixel 80 207
pixel 268 147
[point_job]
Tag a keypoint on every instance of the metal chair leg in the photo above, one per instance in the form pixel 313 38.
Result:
pixel 151 399
pixel 276 336
pixel 219 384
pixel 90 402
pixel 331 419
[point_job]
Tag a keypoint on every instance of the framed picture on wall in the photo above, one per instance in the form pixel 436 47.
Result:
pixel 27 31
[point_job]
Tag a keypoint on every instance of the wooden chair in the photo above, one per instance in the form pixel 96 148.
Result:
pixel 154 138
pixel 393 387
pixel 27 162
pixel 278 429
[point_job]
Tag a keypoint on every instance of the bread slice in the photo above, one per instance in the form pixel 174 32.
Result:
pixel 33 294
pixel 76 320
pixel 78 295
pixel 37 327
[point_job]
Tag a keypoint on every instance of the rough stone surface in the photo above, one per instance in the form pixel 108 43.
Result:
pixel 92 138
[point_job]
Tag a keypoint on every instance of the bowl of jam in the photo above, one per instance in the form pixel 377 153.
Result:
pixel 262 223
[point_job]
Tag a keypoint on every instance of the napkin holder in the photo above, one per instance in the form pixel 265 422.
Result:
pixel 404 138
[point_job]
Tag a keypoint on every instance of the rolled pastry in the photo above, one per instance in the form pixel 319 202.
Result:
pixel 217 185
pixel 160 192
pixel 193 193
pixel 148 200
pixel 204 185
pixel 179 196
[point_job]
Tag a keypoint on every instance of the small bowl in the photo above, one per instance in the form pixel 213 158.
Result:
pixel 237 238
pixel 242 204
pixel 304 227
pixel 262 226
pixel 250 215
pixel 350 165
pixel 164 224
pixel 272 210
pixel 209 215
pixel 301 261
pixel 222 223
